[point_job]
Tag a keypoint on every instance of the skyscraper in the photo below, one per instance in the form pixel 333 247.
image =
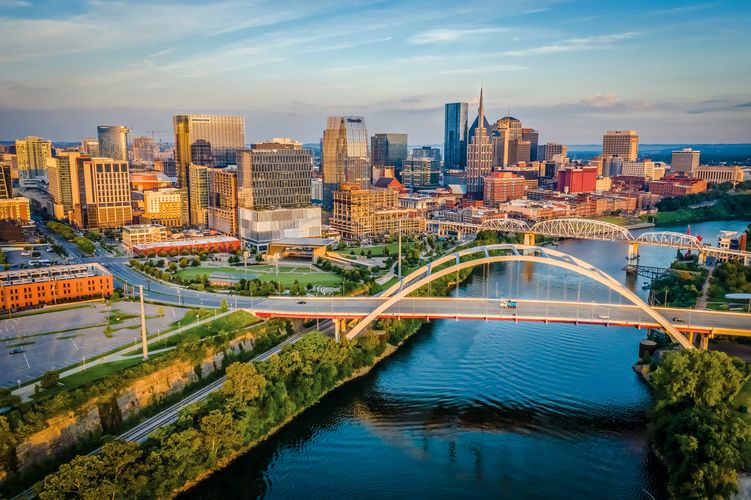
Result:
pixel 144 150
pixel 455 135
pixel 685 160
pixel 274 193
pixel 533 136
pixel 479 153
pixel 222 135
pixel 62 174
pixel 222 211
pixel 427 152
pixel 388 150
pixel 102 197
pixel 6 188
pixel 421 172
pixel 198 194
pixel 621 143
pixel 345 155
pixel 31 154
pixel 113 142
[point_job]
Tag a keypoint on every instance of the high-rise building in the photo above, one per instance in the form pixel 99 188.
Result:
pixel 102 199
pixel 274 193
pixel 31 154
pixel 479 153
pixel 685 160
pixel 16 209
pixel 90 146
pixel 427 152
pixel 200 153
pixel 551 149
pixel 198 194
pixel 622 143
pixel 421 173
pixel 455 135
pixel 10 160
pixel 361 213
pixel 144 150
pixel 165 206
pixel 113 142
pixel 647 168
pixel 719 174
pixel 345 155
pixel 273 175
pixel 500 187
pixel 533 136
pixel 577 180
pixel 222 135
pixel 62 175
pixel 222 211
pixel 167 167
pixel 6 184
pixel 388 150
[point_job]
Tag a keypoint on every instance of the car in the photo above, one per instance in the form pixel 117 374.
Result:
pixel 678 320
pixel 603 316
pixel 26 254
pixel 507 304
pixel 17 350
pixel 301 302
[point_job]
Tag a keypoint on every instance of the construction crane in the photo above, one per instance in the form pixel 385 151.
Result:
pixel 152 132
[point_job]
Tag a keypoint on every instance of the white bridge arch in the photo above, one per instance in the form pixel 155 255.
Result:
pixel 515 253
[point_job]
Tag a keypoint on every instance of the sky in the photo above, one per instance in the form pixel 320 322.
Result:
pixel 676 71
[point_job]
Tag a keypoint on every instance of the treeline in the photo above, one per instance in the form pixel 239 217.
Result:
pixel 254 401
pixel 693 425
pixel 682 287
pixel 728 206
pixel 729 277
pixel 84 244
pixel 23 419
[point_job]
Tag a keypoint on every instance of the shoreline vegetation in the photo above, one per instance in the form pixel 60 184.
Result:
pixel 703 207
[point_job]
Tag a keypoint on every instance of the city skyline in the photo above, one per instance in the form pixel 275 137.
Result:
pixel 571 70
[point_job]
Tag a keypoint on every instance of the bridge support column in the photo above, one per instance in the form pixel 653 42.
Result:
pixel 297 323
pixel 529 239
pixel 340 328
pixel 704 341
pixel 702 258
pixel 690 337
pixel 633 254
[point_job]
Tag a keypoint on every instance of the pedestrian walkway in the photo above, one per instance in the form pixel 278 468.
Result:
pixel 702 302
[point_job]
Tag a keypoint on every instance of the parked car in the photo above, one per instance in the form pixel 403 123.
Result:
pixel 17 350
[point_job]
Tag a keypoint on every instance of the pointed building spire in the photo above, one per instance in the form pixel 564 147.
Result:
pixel 481 112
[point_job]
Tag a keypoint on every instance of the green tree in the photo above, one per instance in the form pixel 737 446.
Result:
pixel 183 262
pixel 243 383
pixel 49 379
pixel 7 445
pixel 220 433
pixel 223 305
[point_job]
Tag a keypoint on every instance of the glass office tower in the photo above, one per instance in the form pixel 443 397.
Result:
pixel 113 142
pixel 345 155
pixel 455 136
pixel 388 150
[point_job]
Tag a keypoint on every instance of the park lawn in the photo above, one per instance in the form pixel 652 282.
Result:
pixel 268 273
pixel 238 320
pixel 378 250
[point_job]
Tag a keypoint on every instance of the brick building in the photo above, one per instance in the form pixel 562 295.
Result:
pixel 577 180
pixel 51 285
pixel 499 187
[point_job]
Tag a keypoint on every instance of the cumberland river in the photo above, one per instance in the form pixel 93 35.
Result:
pixel 481 409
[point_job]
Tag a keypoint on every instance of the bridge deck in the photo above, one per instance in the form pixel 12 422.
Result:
pixel 699 321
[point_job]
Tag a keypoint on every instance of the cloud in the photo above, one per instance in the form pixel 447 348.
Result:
pixel 683 8
pixel 14 3
pixel 743 105
pixel 575 44
pixel 448 35
pixel 345 69
pixel 418 59
pixel 485 69
pixel 601 100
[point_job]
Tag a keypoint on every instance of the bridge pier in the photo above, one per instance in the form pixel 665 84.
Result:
pixel 633 254
pixel 340 328
pixel 702 258
pixel 529 239
pixel 690 337
pixel 704 341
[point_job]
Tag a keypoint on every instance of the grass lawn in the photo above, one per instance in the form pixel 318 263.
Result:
pixel 287 275
pixel 91 374
pixel 378 250
pixel 235 321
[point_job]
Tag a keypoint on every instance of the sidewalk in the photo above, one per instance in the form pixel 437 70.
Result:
pixel 702 302
pixel 27 391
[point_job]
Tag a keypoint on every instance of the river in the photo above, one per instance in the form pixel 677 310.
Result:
pixel 478 409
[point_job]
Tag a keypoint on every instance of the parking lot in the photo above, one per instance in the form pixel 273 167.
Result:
pixel 17 259
pixel 54 340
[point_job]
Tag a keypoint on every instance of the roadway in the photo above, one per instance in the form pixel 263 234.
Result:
pixel 700 321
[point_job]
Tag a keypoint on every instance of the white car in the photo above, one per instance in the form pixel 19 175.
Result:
pixel 603 316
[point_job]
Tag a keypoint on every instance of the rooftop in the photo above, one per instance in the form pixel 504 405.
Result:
pixel 183 242
pixel 307 242
pixel 54 273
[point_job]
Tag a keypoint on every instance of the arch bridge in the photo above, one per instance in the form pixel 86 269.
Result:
pixel 590 229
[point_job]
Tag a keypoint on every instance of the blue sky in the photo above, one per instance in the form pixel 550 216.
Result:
pixel 675 71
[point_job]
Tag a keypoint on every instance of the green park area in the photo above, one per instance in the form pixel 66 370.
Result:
pixel 613 219
pixel 287 275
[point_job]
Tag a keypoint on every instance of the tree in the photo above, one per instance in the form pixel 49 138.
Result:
pixel 7 445
pixel 220 433
pixel 223 306
pixel 243 383
pixel 183 262
pixel 115 473
pixel 195 262
pixel 160 311
pixel 49 379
